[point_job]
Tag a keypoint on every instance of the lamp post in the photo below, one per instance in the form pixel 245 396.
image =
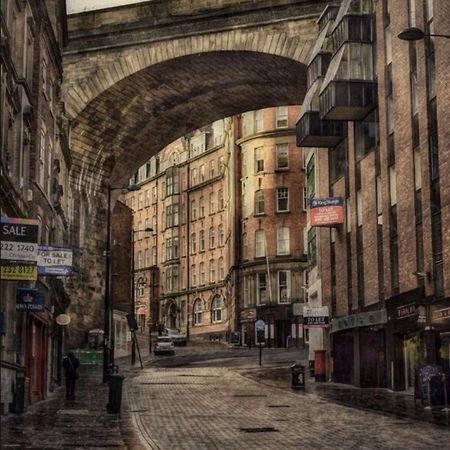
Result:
pixel 133 292
pixel 108 356
pixel 416 34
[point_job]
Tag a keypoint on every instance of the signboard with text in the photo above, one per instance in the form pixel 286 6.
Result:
pixel 55 261
pixel 29 300
pixel 19 248
pixel 316 317
pixel 326 212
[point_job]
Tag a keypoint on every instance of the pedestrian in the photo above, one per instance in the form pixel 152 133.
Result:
pixel 70 365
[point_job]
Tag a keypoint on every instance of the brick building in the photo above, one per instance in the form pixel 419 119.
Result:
pixel 35 164
pixel 206 267
pixel 379 105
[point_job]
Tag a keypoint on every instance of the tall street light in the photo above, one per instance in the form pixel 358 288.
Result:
pixel 416 34
pixel 108 357
pixel 133 291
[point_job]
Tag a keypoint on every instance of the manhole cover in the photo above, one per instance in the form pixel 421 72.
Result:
pixel 249 395
pixel 74 412
pixel 258 429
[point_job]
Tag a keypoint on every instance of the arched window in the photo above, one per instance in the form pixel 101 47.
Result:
pixel 201 240
pixel 198 312
pixel 221 268
pixel 212 238
pixel 216 309
pixel 221 235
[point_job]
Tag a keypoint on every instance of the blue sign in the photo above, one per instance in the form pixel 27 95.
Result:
pixel 29 300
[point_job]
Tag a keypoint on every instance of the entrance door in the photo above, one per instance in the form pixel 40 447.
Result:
pixel 173 316
pixel 282 331
pixel 411 359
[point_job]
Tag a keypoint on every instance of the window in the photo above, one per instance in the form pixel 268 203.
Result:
pixel 259 160
pixel 212 238
pixel 212 271
pixel 193 210
pixel 201 206
pixel 260 243
pixel 259 123
pixel 42 159
pixel 147 198
pixel 259 202
pixel 198 312
pixel 221 235
pixel 366 135
pixel 216 308
pixel 211 203
pixel 212 169
pixel 379 195
pixel 310 179
pixel 172 216
pixel 49 170
pixel 193 243
pixel 282 199
pixel 172 247
pixel 171 182
pixel 221 165
pixel 202 173
pixel 244 246
pixel 154 255
pixel 312 247
pixel 359 213
pixel 283 241
pixel 139 259
pixel 337 160
pixel 147 257
pixel 201 240
pixel 194 177
pixel 154 224
pixel 202 273
pixel 261 288
pixel 221 268
pixel 220 200
pixel 281 117
pixel 392 186
pixel 172 278
pixel 193 276
pixel 282 156
pixel 284 286
pixel 154 194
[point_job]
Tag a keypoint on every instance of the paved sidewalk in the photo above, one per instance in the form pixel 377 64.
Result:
pixel 57 424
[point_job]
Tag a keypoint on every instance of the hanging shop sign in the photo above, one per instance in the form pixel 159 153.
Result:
pixel 29 300
pixel 326 212
pixel 316 317
pixel 56 261
pixel 19 249
pixel 63 319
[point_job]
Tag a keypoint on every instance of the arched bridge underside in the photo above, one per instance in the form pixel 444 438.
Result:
pixel 138 77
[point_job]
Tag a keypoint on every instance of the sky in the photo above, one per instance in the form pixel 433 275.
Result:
pixel 76 6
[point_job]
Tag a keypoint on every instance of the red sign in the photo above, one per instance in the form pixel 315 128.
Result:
pixel 326 212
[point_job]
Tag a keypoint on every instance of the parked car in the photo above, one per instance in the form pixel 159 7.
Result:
pixel 177 337
pixel 164 345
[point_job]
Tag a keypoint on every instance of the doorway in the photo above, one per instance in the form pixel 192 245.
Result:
pixel 411 358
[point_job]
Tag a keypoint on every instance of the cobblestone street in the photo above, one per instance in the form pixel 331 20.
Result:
pixel 170 408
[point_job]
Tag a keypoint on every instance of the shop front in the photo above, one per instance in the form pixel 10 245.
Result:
pixel 440 321
pixel 359 349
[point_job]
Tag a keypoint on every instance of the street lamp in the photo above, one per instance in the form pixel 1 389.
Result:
pixel 416 34
pixel 108 356
pixel 133 291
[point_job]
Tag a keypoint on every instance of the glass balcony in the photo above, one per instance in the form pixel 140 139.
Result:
pixel 352 28
pixel 347 99
pixel 318 67
pixel 328 15
pixel 314 132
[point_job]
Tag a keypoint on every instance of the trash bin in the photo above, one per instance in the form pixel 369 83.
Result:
pixel 115 393
pixel 297 376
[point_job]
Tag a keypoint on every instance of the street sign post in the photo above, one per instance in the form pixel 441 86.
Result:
pixel 260 326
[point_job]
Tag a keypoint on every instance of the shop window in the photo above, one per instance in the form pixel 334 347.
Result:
pixel 261 288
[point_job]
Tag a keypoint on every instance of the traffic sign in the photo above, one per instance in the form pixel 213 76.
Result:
pixel 260 325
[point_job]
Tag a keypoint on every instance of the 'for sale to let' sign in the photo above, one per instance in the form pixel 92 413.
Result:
pixel 19 239
pixel 326 212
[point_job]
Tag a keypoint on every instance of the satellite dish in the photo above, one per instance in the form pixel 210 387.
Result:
pixel 63 319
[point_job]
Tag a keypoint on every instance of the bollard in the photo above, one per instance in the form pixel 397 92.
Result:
pixel 115 393
pixel 297 376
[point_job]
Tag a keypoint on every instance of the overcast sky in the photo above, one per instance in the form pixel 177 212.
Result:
pixel 76 6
